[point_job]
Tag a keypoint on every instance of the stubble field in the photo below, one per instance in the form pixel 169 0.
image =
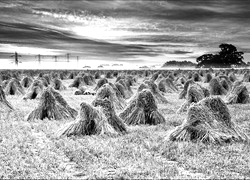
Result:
pixel 33 149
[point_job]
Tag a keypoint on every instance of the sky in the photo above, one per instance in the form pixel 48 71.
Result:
pixel 131 32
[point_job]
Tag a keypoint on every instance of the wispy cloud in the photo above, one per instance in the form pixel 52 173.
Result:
pixel 119 29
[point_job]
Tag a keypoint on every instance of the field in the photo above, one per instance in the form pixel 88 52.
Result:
pixel 33 150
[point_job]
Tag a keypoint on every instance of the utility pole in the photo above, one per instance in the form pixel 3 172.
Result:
pixel 55 57
pixel 16 55
pixel 39 58
pixel 77 58
pixel 67 55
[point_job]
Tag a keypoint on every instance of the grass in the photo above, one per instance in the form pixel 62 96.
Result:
pixel 32 149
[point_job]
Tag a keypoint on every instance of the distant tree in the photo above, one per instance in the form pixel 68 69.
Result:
pixel 208 60
pixel 178 64
pixel 204 57
pixel 227 57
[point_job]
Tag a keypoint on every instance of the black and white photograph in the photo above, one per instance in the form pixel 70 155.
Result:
pixel 124 89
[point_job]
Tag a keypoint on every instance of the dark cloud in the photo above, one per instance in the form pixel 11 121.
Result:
pixel 171 9
pixel 245 50
pixel 181 52
pixel 24 34
pixel 192 10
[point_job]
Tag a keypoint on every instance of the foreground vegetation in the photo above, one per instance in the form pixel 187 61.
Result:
pixel 33 149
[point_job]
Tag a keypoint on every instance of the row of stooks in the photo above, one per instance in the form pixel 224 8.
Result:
pixel 208 118
pixel 71 74
pixel 234 90
pixel 197 75
pixel 164 80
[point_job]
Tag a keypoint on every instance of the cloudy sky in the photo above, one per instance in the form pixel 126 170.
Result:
pixel 117 31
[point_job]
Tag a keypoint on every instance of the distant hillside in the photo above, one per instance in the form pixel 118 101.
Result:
pixel 179 64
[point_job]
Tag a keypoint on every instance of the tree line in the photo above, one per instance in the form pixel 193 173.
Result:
pixel 227 57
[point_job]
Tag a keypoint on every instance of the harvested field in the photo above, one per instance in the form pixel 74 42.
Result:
pixel 110 148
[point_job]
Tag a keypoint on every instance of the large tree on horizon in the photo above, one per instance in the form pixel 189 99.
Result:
pixel 228 56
